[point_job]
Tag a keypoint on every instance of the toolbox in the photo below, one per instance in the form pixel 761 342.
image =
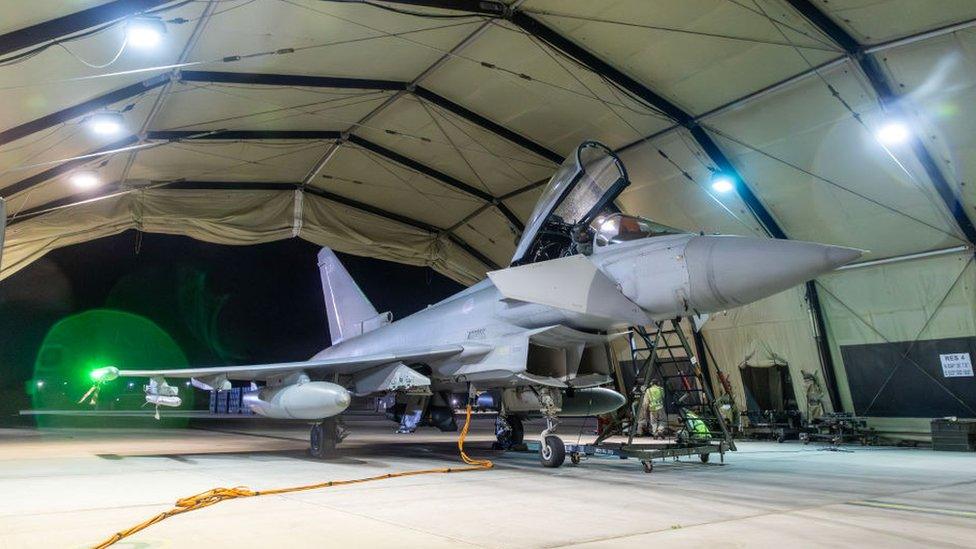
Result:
pixel 954 435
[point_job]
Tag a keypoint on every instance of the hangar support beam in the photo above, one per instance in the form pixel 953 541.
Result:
pixel 890 101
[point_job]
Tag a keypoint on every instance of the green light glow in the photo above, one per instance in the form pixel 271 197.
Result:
pixel 103 374
pixel 90 347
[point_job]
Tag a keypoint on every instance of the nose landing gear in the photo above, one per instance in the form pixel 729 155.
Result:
pixel 552 451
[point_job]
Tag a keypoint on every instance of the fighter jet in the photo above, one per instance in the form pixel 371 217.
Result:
pixel 532 339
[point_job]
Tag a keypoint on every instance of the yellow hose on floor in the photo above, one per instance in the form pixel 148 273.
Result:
pixel 210 497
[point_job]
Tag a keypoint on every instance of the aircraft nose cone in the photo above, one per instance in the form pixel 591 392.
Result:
pixel 729 271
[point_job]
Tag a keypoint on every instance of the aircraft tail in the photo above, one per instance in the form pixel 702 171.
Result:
pixel 350 313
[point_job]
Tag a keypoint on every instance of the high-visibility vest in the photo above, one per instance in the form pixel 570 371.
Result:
pixel 655 397
pixel 697 426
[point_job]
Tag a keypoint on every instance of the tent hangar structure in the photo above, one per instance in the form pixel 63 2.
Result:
pixel 422 131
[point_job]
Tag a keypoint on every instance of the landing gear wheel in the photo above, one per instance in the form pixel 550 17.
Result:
pixel 703 457
pixel 648 466
pixel 552 452
pixel 509 432
pixel 781 438
pixel 323 438
pixel 575 458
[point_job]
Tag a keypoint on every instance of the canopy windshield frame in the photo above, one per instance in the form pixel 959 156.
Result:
pixel 590 164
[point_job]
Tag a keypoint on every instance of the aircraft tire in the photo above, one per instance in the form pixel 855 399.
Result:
pixel 552 452
pixel 322 439
pixel 509 432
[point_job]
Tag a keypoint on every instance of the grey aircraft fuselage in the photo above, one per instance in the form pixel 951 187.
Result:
pixel 535 329
pixel 667 276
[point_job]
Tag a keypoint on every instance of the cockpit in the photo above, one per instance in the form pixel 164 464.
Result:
pixel 576 211
pixel 618 227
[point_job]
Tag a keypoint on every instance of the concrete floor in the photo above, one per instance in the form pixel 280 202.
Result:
pixel 72 488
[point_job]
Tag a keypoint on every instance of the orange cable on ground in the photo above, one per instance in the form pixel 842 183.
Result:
pixel 211 497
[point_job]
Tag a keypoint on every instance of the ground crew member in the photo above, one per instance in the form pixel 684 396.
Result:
pixel 697 427
pixel 652 411
pixel 726 407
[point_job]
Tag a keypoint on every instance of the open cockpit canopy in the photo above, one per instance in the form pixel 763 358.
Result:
pixel 586 183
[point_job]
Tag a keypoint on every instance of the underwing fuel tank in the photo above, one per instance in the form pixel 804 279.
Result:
pixel 587 402
pixel 311 400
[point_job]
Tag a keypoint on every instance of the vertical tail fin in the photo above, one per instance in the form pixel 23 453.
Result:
pixel 345 303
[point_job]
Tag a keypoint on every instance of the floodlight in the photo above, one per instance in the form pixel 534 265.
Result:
pixel 893 133
pixel 722 182
pixel 85 180
pixel 106 123
pixel 144 32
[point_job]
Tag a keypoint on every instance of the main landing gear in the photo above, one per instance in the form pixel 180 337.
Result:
pixel 324 437
pixel 552 451
pixel 509 432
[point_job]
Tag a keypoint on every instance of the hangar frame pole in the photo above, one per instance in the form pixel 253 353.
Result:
pixel 823 346
pixel 890 102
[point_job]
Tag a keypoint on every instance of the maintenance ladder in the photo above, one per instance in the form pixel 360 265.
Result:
pixel 667 356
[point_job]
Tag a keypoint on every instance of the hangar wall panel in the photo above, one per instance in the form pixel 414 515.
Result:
pixel 559 107
pixel 937 78
pixel 868 200
pixel 926 299
pixel 659 191
pixel 237 218
pixel 330 39
pixel 682 49
pixel 452 145
pixel 355 232
pixel 201 105
pixel 774 331
pixel 874 21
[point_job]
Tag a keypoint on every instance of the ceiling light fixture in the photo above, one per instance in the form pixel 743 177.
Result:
pixel 145 32
pixel 893 133
pixel 722 182
pixel 106 123
pixel 85 180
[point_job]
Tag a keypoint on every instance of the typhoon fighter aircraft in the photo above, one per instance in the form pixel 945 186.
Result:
pixel 531 339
